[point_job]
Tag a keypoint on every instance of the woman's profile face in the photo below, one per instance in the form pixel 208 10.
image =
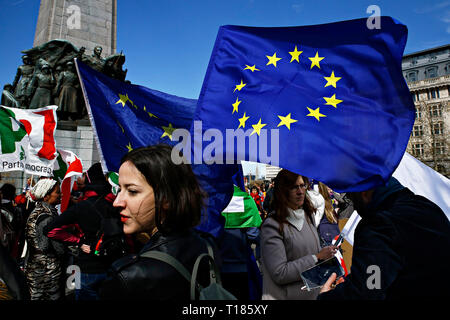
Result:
pixel 54 197
pixel 297 194
pixel 137 200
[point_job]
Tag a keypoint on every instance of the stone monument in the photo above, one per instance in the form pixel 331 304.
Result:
pixel 66 29
pixel 85 23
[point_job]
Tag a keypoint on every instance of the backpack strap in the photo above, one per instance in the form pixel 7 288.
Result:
pixel 214 274
pixel 167 258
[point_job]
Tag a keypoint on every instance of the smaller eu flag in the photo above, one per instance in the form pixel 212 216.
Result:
pixel 126 116
pixel 328 101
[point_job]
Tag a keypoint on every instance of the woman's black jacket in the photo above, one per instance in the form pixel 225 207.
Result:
pixel 135 277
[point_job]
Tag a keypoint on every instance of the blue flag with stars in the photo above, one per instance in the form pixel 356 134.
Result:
pixel 326 101
pixel 126 116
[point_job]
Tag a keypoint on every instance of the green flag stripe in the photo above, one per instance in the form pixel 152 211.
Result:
pixel 248 218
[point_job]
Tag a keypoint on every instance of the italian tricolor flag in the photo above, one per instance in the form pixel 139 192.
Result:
pixel 241 212
pixel 68 168
pixel 27 140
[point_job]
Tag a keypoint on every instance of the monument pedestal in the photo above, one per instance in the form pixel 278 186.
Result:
pixel 78 137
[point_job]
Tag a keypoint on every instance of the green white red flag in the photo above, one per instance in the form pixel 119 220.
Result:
pixel 27 140
pixel 68 167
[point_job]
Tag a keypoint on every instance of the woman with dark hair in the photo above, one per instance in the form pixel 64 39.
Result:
pixel 289 240
pixel 254 193
pixel 328 227
pixel 163 200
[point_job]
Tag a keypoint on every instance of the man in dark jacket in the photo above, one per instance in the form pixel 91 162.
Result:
pixel 87 217
pixel 12 277
pixel 401 248
pixel 13 218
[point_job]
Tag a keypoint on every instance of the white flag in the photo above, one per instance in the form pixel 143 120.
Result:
pixel 420 179
pixel 27 140
pixel 424 181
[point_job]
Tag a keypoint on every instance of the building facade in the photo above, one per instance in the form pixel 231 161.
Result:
pixel 427 74
pixel 271 171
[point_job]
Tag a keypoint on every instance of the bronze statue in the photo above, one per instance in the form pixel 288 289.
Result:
pixel 67 92
pixel 35 86
pixel 95 61
pixel 113 67
pixel 8 98
pixel 21 81
pixel 41 86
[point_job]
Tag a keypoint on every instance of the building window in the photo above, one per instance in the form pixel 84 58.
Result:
pixel 413 96
pixel 412 76
pixel 435 111
pixel 438 128
pixel 447 68
pixel 439 148
pixel 418 113
pixel 417 131
pixel 417 149
pixel 431 73
pixel 433 94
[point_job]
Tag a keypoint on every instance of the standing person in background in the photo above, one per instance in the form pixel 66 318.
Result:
pixel 317 201
pixel 43 263
pixel 235 250
pixel 254 193
pixel 328 227
pixel 88 217
pixel 268 198
pixel 13 217
pixel 289 240
pixel 404 239
pixel 13 284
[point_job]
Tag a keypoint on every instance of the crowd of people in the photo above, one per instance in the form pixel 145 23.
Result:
pixel 157 208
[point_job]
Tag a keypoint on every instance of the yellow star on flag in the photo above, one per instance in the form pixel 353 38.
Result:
pixel 331 80
pixel 243 120
pixel 120 126
pixel 236 105
pixel 315 60
pixel 123 99
pixel 332 101
pixel 295 54
pixel 129 147
pixel 315 113
pixel 286 121
pixel 149 113
pixel 168 131
pixel 257 127
pixel 240 86
pixel 273 59
pixel 252 68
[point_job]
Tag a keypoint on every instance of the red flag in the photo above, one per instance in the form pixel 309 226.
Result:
pixel 74 170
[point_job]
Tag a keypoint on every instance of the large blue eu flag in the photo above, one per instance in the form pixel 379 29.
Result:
pixel 126 116
pixel 327 101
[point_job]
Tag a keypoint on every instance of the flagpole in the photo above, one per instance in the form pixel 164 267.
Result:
pixel 31 184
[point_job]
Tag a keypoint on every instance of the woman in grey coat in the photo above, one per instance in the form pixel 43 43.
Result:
pixel 289 240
